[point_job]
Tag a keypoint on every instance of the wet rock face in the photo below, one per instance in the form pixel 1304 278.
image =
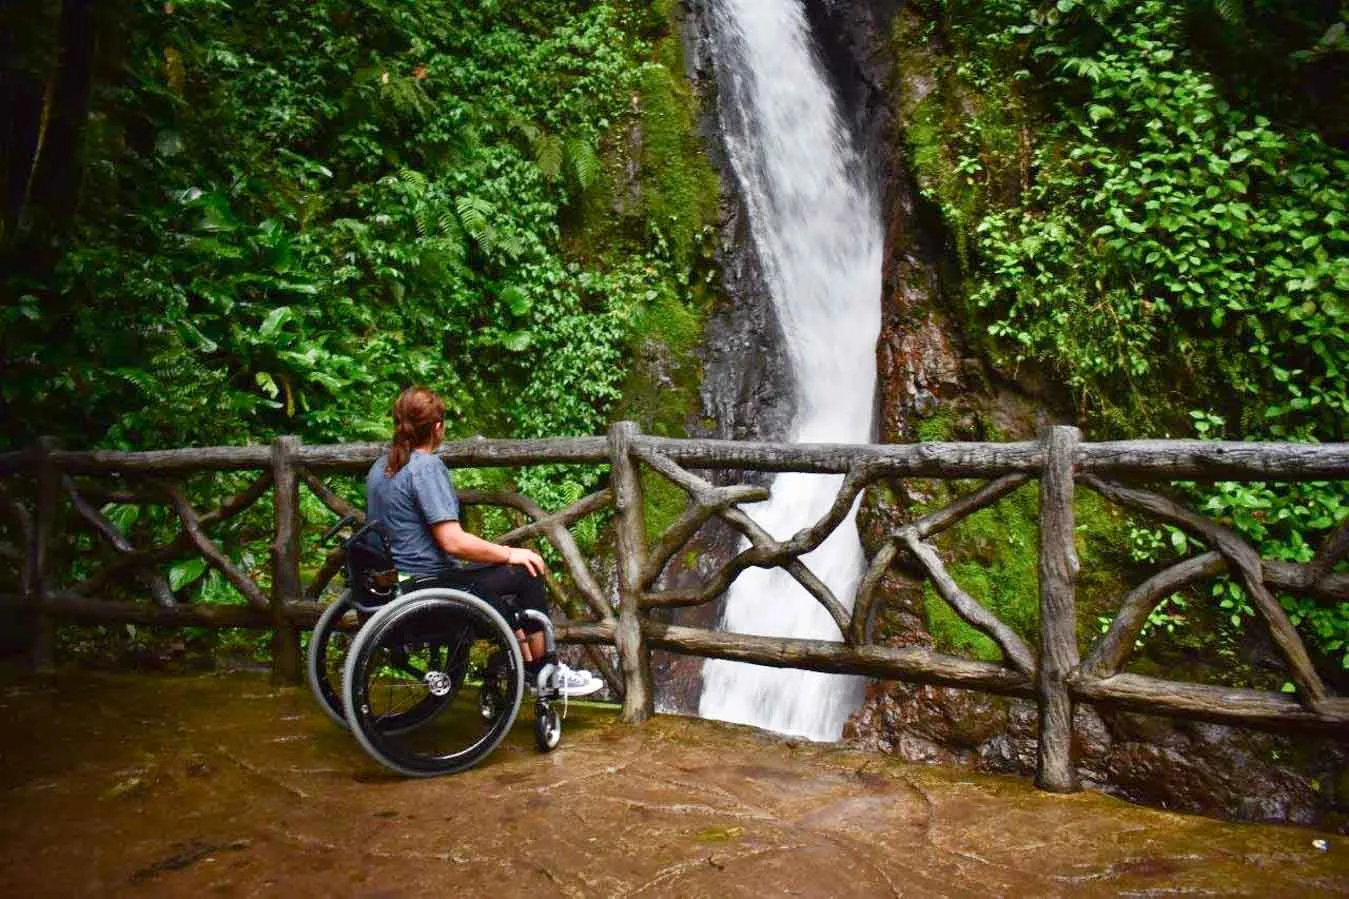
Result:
pixel 1184 766
pixel 919 354
pixel 747 388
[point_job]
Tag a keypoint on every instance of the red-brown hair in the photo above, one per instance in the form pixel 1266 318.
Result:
pixel 415 415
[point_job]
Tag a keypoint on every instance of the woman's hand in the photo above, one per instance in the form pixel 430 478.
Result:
pixel 519 555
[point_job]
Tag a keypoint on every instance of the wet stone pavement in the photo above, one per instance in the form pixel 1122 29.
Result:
pixel 138 785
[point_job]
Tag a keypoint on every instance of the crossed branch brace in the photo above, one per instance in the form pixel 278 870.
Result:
pixel 765 552
pixel 1232 553
pixel 193 537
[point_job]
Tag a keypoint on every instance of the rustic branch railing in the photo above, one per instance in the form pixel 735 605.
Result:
pixel 1051 674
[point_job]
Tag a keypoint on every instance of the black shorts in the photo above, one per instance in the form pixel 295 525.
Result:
pixel 510 589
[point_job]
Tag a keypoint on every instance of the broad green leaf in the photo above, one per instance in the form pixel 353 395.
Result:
pixel 516 300
pixel 275 321
pixel 185 572
pixel 518 341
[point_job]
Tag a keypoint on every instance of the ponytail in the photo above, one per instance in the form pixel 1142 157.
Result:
pixel 415 415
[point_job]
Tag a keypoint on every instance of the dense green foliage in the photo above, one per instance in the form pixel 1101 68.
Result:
pixel 290 211
pixel 1149 201
pixel 272 217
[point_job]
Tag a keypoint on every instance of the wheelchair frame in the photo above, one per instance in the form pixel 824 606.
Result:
pixel 444 627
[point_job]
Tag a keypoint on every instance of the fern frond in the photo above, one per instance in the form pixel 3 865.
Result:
pixel 548 156
pixel 584 162
pixel 412 177
pixel 449 225
pixel 475 214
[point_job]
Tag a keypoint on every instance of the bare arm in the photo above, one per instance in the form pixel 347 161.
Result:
pixel 451 537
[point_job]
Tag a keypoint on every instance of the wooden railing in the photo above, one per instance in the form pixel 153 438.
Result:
pixel 40 481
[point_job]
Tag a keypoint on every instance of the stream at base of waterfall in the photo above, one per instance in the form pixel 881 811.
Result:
pixel 815 224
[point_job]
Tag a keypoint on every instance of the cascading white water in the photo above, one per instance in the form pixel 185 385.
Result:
pixel 816 226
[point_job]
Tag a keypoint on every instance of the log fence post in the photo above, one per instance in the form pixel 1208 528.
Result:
pixel 286 583
pixel 1054 768
pixel 634 655
pixel 43 652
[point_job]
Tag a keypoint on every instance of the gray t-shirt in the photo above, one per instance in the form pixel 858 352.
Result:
pixel 419 495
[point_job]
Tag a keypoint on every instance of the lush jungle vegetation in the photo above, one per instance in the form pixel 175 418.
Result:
pixel 1148 201
pixel 230 220
pixel 223 221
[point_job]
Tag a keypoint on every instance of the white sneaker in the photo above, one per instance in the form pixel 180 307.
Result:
pixel 571 682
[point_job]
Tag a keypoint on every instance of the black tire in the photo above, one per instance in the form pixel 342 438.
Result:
pixel 547 727
pixel 328 645
pixel 433 682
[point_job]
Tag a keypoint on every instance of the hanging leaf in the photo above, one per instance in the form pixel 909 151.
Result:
pixel 185 572
pixel 585 164
pixel 268 384
pixel 275 321
pixel 123 515
pixel 517 341
pixel 475 215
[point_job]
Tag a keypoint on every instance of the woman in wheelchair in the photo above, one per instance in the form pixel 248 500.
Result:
pixel 410 492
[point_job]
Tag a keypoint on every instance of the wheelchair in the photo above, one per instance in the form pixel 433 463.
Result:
pixel 428 679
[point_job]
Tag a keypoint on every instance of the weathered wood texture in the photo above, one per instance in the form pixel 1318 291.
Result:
pixel 180 546
pixel 928 460
pixel 1213 460
pixel 639 697
pixel 1014 649
pixel 151 579
pixel 1055 769
pixel 94 610
pixel 287 665
pixel 1224 705
pixel 44 533
pixel 194 528
pixel 1245 563
pixel 909 663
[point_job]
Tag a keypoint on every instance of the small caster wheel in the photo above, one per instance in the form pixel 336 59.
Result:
pixel 547 727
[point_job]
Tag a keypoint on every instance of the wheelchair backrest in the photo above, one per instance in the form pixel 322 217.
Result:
pixel 371 574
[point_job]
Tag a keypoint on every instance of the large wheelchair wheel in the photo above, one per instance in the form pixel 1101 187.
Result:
pixel 433 682
pixel 328 645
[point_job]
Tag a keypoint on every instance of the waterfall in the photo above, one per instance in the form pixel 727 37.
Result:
pixel 815 224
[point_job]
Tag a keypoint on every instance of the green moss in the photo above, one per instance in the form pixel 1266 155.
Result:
pixel 994 556
pixel 664 503
pixel 963 130
pixel 936 427
pixel 680 188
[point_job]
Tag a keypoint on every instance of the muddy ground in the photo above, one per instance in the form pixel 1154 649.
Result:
pixel 153 785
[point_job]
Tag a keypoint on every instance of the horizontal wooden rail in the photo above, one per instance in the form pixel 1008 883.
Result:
pixel 350 457
pixel 1048 671
pixel 1214 460
pixel 1222 705
pixel 1154 459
